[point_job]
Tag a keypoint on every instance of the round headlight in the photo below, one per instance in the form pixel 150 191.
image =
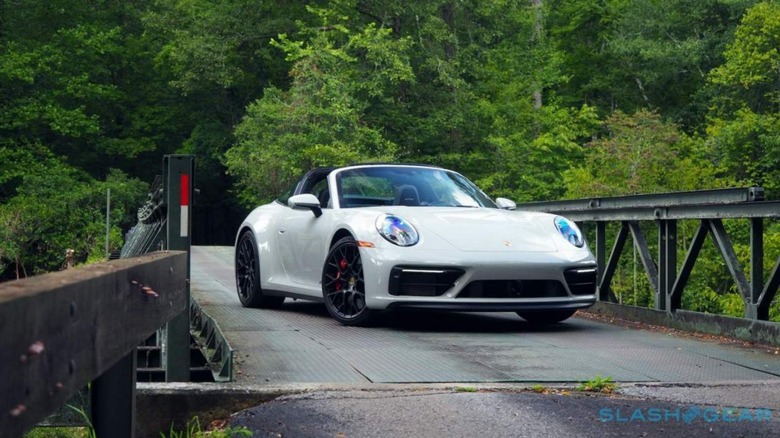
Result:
pixel 396 230
pixel 569 231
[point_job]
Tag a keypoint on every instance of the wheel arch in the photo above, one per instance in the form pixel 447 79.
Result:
pixel 340 234
pixel 241 231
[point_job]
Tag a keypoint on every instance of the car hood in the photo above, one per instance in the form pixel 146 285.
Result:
pixel 487 229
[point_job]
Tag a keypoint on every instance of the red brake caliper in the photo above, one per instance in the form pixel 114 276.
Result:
pixel 342 266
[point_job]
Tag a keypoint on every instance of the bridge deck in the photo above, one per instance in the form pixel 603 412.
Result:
pixel 300 343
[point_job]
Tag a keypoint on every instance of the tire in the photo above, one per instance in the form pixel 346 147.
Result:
pixel 247 265
pixel 543 317
pixel 343 285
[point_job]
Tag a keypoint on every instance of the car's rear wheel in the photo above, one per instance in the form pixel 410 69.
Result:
pixel 248 275
pixel 343 285
pixel 546 316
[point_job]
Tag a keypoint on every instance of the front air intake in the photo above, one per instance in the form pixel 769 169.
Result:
pixel 422 282
pixel 581 281
pixel 513 289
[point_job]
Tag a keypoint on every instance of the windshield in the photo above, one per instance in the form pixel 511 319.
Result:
pixel 411 186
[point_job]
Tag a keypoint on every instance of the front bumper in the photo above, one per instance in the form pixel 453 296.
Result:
pixel 492 306
pixel 464 291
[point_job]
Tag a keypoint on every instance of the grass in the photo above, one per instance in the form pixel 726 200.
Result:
pixel 539 389
pixel 58 432
pixel 65 432
pixel 465 389
pixel 194 430
pixel 604 385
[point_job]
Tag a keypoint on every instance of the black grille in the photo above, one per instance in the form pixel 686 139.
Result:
pixel 581 281
pixel 422 282
pixel 513 289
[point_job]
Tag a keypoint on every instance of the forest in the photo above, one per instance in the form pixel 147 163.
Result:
pixel 531 99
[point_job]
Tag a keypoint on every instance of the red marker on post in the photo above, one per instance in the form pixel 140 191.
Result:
pixel 184 184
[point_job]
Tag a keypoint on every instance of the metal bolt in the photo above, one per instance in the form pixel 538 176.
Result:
pixel 17 411
pixel 35 349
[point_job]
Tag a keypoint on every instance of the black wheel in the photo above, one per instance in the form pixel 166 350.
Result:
pixel 546 316
pixel 343 286
pixel 248 275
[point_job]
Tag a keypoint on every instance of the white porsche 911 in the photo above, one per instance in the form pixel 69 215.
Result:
pixel 374 237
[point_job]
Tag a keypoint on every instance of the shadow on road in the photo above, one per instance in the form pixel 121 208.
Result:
pixel 444 322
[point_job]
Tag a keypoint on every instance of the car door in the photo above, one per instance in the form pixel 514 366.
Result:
pixel 302 241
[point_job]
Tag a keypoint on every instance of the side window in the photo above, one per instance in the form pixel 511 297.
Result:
pixel 320 190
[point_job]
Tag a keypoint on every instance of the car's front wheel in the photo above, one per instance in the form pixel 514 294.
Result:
pixel 343 285
pixel 546 316
pixel 248 275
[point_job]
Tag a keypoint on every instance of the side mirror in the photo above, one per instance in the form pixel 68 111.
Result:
pixel 505 204
pixel 305 201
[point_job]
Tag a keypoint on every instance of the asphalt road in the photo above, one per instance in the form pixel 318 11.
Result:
pixel 431 413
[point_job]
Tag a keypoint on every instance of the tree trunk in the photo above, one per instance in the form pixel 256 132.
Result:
pixel 538 28
pixel 537 37
pixel 451 53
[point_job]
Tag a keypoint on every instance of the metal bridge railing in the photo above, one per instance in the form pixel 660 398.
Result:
pixel 668 282
pixel 164 223
pixel 146 236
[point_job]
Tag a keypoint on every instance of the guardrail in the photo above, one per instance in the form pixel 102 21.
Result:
pixel 62 330
pixel 668 282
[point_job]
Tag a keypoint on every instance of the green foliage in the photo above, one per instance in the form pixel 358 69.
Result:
pixel 637 54
pixel 66 432
pixel 53 207
pixel 600 384
pixel 640 153
pixel 744 126
pixel 193 430
pixel 207 47
pixel 320 120
pixel 753 60
pixel 59 432
pixel 528 164
pixel 87 419
pixel 540 389
pixel 466 389
pixel 76 77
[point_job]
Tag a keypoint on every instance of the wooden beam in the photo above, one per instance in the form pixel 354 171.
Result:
pixel 60 331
